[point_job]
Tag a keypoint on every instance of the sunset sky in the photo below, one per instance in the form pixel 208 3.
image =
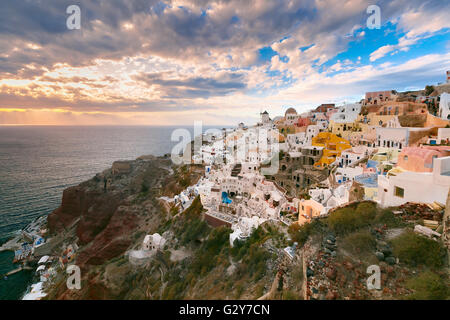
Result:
pixel 148 62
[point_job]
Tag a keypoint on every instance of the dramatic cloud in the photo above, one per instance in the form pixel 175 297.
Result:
pixel 182 60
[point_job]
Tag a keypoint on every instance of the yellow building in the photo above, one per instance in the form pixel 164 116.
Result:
pixel 344 129
pixel 372 119
pixel 286 129
pixel 332 147
pixel 363 123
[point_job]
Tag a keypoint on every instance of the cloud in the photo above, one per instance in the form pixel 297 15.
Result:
pixel 195 57
pixel 418 23
pixel 194 86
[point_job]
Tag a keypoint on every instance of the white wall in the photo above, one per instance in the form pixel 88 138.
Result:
pixel 418 186
pixel 395 137
pixel 443 134
pixel 444 106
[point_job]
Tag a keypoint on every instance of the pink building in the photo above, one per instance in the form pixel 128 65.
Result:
pixel 377 97
pixel 420 159
pixel 303 122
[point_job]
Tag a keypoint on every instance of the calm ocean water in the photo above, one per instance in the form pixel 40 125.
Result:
pixel 38 162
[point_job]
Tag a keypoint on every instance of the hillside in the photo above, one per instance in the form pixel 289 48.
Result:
pixel 197 261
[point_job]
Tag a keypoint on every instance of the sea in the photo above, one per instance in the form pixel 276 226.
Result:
pixel 38 162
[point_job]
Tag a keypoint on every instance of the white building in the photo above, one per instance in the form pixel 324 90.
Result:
pixel 443 135
pixel 290 117
pixel 153 242
pixel 392 137
pixel 331 198
pixel 424 187
pixel 322 124
pixel 347 113
pixel 444 106
pixel 296 141
pixel 347 174
pixel 352 156
pixel 311 132
pixel 244 228
pixel 265 119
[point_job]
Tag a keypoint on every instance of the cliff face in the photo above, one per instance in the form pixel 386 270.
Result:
pixel 92 209
pixel 104 212
pixel 112 241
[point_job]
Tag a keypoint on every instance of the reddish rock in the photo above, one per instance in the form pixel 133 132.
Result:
pixel 70 209
pixel 331 295
pixel 331 274
pixel 390 270
pixel 94 208
pixel 348 265
pixel 112 241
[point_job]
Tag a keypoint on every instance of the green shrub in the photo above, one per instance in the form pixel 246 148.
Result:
pixel 185 182
pixel 414 250
pixel 174 211
pixel 428 90
pixel 349 219
pixel 239 290
pixel 385 216
pixel 297 275
pixel 191 226
pixel 300 234
pixel 144 187
pixel 256 262
pixel 428 286
pixel 359 242
pixel 208 254
pixel 367 211
pixel 291 295
pixel 254 257
pixel 196 229
pixel 344 220
pixel 242 248
pixel 195 209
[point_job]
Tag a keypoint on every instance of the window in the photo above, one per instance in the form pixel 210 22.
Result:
pixel 399 192
pixel 405 158
pixel 432 160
